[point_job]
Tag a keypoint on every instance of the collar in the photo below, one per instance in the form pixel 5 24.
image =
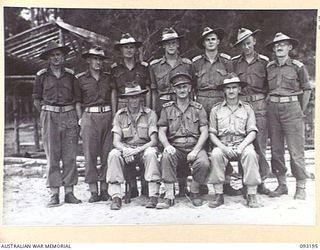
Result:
pixel 164 60
pixel 287 62
pixel 121 62
pixel 217 58
pixel 224 103
pixel 51 73
pixel 255 58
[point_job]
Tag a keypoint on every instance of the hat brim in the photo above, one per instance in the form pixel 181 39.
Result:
pixel 182 82
pixel 134 93
pixel 293 41
pixel 245 37
pixel 117 46
pixel 85 55
pixel 170 39
pixel 241 83
pixel 44 55
pixel 218 31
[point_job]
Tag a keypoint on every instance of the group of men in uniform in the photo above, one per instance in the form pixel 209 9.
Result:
pixel 212 103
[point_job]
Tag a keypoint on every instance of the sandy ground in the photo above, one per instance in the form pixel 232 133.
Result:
pixel 25 198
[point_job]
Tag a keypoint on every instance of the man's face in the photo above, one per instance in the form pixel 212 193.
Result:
pixel 95 62
pixel 282 49
pixel 134 101
pixel 211 42
pixel 247 45
pixel 182 90
pixel 56 57
pixel 171 47
pixel 128 50
pixel 232 91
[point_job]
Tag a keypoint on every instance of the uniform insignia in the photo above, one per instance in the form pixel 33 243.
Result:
pixel 196 58
pixel 225 56
pixel 298 63
pixel 264 57
pixel 155 61
pixel 270 64
pixel 168 104
pixel 146 109
pixel 80 74
pixel 144 63
pixel 236 57
pixel 114 65
pixel 186 60
pixel 196 105
pixel 42 71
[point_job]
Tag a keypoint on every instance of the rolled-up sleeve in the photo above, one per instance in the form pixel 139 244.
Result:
pixel 163 121
pixel 37 88
pixel 152 123
pixel 213 122
pixel 304 78
pixel 153 82
pixel 251 122
pixel 116 125
pixel 203 118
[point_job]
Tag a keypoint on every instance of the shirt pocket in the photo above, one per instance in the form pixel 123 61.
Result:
pixel 289 81
pixel 192 123
pixel 257 78
pixel 127 131
pixel 174 122
pixel 143 131
pixel 272 80
pixel 240 122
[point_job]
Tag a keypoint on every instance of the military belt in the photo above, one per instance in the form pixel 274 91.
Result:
pixel 98 109
pixel 57 109
pixel 210 93
pixel 253 98
pixel 293 98
pixel 188 139
pixel 231 138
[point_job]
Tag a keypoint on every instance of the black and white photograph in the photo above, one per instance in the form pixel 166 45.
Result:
pixel 138 116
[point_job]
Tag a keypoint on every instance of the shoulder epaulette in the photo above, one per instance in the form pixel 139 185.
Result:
pixel 298 63
pixel 264 57
pixel 196 104
pixel 168 104
pixel 70 71
pixel 106 72
pixel 42 71
pixel 143 63
pixel 196 58
pixel 186 60
pixel 270 63
pixel 155 61
pixel 216 104
pixel 236 57
pixel 146 109
pixel 80 74
pixel 248 104
pixel 225 56
pixel 114 65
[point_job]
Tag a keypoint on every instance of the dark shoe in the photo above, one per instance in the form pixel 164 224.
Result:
pixel 116 203
pixel 218 201
pixel 165 204
pixel 94 198
pixel 152 202
pixel 203 189
pixel 70 198
pixel 134 192
pixel 263 190
pixel 54 201
pixel 196 200
pixel 280 190
pixel 229 190
pixel 300 194
pixel 104 196
pixel 252 201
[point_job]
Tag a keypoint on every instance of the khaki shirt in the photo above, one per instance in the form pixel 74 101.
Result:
pixel 60 91
pixel 210 75
pixel 93 92
pixel 254 73
pixel 183 124
pixel 123 77
pixel 290 79
pixel 160 72
pixel 135 132
pixel 239 122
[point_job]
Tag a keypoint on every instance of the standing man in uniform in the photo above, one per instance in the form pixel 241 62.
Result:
pixel 251 68
pixel 160 70
pixel 129 72
pixel 210 70
pixel 289 91
pixel 96 120
pixel 135 140
pixel 55 94
pixel 183 131
pixel 232 131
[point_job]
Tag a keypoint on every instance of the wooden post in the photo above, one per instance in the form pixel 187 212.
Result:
pixel 16 122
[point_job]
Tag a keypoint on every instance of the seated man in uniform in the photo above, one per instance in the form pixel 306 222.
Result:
pixel 183 131
pixel 135 139
pixel 232 130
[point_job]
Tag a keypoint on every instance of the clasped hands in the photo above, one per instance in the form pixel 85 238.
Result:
pixel 129 153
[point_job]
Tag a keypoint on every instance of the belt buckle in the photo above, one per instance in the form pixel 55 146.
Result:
pixel 62 109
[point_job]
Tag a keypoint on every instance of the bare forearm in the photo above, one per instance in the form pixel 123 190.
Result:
pixel 305 100
pixel 78 110
pixel 216 141
pixel 249 139
pixel 201 141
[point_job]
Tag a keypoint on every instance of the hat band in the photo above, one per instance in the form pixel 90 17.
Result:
pixel 132 89
pixel 244 34
pixel 231 80
pixel 95 52
pixel 127 40
pixel 169 36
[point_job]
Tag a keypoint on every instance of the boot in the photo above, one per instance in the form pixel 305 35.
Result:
pixel 70 198
pixel 300 193
pixel 196 199
pixel 252 201
pixel 116 203
pixel 94 197
pixel 152 202
pixel 104 196
pixel 262 189
pixel 183 189
pixel 280 190
pixel 229 190
pixel 54 201
pixel 218 201
pixel 165 204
